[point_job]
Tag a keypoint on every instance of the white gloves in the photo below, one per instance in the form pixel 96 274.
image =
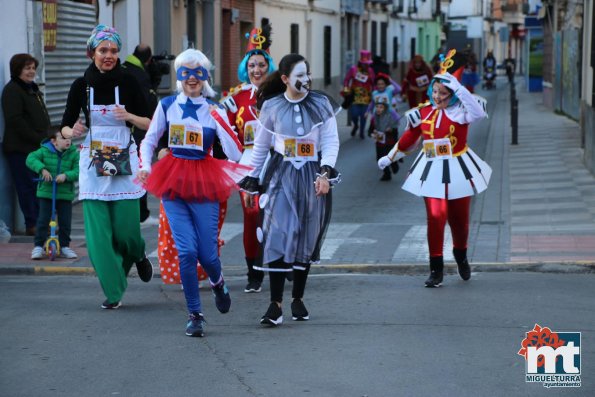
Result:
pixel 230 104
pixel 384 162
pixel 449 81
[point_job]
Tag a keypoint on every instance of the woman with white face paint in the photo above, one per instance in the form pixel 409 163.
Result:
pixel 296 204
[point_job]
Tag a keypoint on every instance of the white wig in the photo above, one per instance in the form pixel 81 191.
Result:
pixel 192 58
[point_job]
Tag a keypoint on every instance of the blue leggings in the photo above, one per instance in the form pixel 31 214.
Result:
pixel 358 117
pixel 194 229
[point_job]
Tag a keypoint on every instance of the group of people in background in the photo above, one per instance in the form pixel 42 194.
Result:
pixel 370 92
pixel 272 138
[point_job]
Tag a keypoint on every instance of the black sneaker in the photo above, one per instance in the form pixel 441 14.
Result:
pixel 253 286
pixel 222 298
pixel 273 316
pixel 195 325
pixel 110 306
pixel 144 267
pixel 298 311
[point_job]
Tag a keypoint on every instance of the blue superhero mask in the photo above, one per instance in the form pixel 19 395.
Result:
pixel 199 73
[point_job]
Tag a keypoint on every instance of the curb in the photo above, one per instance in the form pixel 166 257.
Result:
pixel 576 267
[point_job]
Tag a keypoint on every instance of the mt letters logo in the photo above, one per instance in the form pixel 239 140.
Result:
pixel 553 358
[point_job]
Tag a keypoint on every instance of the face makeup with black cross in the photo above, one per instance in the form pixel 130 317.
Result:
pixel 299 78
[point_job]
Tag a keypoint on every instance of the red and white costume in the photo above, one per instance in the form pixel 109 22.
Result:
pixel 242 114
pixel 460 174
pixel 446 172
pixel 453 177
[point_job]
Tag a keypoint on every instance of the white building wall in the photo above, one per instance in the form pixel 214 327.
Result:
pixel 375 14
pixel 124 16
pixel 16 22
pixel 464 8
pixel 126 20
pixel 315 45
pixel 282 14
pixel 311 22
pixel 424 10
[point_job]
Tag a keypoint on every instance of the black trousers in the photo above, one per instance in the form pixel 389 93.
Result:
pixel 23 180
pixel 277 280
pixel 64 213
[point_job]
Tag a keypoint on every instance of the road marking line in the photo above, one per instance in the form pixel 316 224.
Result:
pixel 414 245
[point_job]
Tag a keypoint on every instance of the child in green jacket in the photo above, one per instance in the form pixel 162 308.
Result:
pixel 55 159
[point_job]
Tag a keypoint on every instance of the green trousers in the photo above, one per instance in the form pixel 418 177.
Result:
pixel 114 242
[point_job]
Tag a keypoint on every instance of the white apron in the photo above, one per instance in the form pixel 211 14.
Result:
pixel 107 131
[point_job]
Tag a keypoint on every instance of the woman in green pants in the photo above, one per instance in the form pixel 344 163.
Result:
pixel 112 104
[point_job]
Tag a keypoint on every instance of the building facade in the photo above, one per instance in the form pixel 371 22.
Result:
pixel 329 33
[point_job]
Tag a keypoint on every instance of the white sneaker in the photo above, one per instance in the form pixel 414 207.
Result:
pixel 37 253
pixel 68 253
pixel 150 221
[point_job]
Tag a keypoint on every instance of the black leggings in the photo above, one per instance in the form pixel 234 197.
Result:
pixel 277 280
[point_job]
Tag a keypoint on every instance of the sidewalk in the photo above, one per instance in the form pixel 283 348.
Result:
pixel 552 194
pixel 540 188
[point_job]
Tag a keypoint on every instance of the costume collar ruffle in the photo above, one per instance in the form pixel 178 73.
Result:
pixel 282 116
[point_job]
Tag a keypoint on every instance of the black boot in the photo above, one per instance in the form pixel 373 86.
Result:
pixel 436 272
pixel 354 129
pixel 386 175
pixel 255 277
pixel 462 263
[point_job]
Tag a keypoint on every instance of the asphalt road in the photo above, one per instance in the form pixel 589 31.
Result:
pixel 373 222
pixel 369 335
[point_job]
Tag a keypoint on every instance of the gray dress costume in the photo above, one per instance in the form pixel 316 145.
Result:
pixel 304 141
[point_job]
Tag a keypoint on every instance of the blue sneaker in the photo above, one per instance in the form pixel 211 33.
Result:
pixel 195 325
pixel 222 298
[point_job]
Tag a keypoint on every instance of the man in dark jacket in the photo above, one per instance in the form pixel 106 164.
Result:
pixel 136 66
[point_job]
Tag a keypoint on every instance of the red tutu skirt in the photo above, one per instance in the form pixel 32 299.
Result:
pixel 207 179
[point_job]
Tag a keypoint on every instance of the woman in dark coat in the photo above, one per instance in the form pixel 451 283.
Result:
pixel 27 122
